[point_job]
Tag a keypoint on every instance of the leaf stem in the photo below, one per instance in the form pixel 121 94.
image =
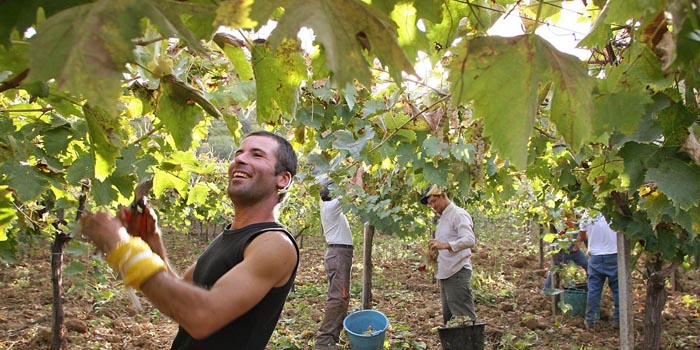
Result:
pixel 27 110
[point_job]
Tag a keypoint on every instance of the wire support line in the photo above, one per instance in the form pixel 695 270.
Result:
pixel 507 13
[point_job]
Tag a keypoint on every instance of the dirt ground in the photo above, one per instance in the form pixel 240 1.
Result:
pixel 507 282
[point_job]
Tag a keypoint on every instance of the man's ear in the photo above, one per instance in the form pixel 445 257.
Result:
pixel 284 181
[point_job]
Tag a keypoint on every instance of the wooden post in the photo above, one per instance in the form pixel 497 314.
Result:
pixel 538 232
pixel 624 273
pixel 367 269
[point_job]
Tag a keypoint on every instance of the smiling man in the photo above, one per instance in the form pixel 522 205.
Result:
pixel 233 296
pixel 454 238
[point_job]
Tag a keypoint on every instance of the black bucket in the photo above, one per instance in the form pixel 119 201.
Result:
pixel 467 337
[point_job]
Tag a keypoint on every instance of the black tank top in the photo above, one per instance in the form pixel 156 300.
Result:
pixel 252 330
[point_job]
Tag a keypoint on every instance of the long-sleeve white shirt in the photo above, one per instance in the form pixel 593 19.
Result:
pixel 457 229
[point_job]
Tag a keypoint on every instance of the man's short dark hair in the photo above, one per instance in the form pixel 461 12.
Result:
pixel 325 194
pixel 286 157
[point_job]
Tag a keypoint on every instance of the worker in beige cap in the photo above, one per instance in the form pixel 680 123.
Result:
pixel 454 238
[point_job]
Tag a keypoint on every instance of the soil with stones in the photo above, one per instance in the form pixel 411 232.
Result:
pixel 507 282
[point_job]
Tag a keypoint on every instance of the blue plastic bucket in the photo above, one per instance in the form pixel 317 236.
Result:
pixel 574 300
pixel 366 329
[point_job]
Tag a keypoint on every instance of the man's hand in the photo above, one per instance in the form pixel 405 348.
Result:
pixel 103 229
pixel 143 224
pixel 435 244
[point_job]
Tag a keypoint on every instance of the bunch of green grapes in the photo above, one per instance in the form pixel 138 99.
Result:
pixel 475 137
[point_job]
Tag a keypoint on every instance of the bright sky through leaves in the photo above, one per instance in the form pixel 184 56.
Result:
pixel 565 34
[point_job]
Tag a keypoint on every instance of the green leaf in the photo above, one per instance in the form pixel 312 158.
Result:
pixel 57 139
pixel 675 122
pixel 345 28
pixel 679 181
pixel 188 95
pixel 163 180
pixel 278 76
pixel 83 167
pixel 178 112
pixel 572 107
pixel 102 192
pixel 443 30
pixel 198 194
pixel 166 16
pixel 104 138
pixel 239 59
pixel 621 111
pixel 76 267
pixel 21 14
pixel 197 15
pixel 410 37
pixel 8 214
pixel 344 140
pixel 85 49
pixel 433 147
pixel 638 158
pixel 14 58
pixel 479 70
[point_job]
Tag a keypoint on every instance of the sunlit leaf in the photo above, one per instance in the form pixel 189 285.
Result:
pixel 345 28
pixel 278 75
pixel 105 138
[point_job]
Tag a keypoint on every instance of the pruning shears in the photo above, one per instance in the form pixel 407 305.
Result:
pixel 139 220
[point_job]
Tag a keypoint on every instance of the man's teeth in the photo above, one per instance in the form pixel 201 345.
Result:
pixel 241 175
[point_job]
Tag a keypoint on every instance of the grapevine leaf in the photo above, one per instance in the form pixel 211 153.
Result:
pixel 165 15
pixel 102 192
pixel 572 108
pixel 85 49
pixel 13 58
pixel 345 28
pixel 600 34
pixel 278 75
pixel 8 214
pixel 480 68
pixel 409 36
pixel 56 139
pixel 239 59
pixel 22 14
pixel 680 181
pixel 607 116
pixel 656 205
pixel 27 181
pixel 436 172
pixel 319 163
pixel 428 10
pixel 163 180
pixel 235 14
pixel 686 24
pixel 83 167
pixel 434 148
pixel 675 122
pixel 198 15
pixel 198 194
pixel 178 112
pixel 105 139
pixel 189 94
pixel 75 268
pixel 638 158
pixel 344 140
pixel 642 10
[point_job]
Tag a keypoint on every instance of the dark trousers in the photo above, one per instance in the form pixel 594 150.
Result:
pixel 456 295
pixel 338 264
